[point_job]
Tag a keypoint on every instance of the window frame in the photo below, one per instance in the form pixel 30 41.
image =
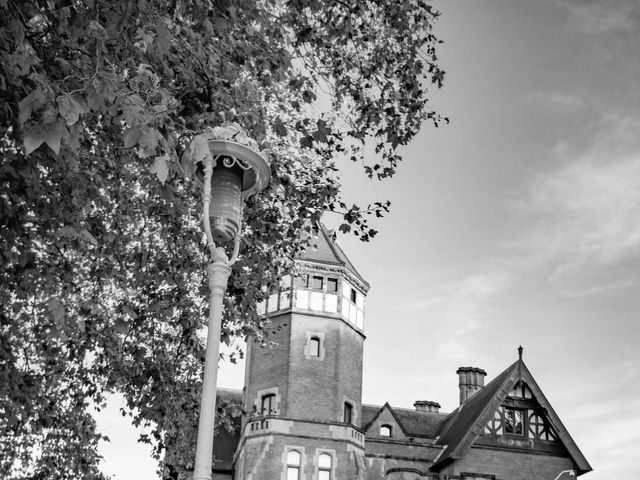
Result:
pixel 523 418
pixel 347 413
pixel 271 397
pixel 302 280
pixel 294 466
pixel 322 468
pixel 317 278
pixel 314 346
pixel 389 428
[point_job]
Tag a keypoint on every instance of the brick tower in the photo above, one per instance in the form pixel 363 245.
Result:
pixel 303 395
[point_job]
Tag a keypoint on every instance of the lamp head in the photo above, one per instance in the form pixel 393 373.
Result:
pixel 239 171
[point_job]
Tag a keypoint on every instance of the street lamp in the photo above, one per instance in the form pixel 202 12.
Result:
pixel 228 167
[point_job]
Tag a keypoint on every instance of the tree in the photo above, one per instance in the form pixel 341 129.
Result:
pixel 103 284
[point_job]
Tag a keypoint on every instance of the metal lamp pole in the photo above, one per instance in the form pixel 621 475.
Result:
pixel 229 174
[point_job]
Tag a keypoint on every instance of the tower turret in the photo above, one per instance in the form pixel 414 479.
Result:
pixel 304 393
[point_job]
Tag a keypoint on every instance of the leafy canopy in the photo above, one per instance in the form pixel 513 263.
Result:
pixel 102 285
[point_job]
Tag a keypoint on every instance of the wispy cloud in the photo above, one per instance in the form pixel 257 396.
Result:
pixel 583 219
pixel 557 100
pixel 458 305
pixel 597 17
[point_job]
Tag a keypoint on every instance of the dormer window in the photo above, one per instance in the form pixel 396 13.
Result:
pixel 385 431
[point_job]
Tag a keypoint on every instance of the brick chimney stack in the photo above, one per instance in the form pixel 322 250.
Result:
pixel 427 406
pixel 471 379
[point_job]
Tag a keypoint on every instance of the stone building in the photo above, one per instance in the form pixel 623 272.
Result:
pixel 305 419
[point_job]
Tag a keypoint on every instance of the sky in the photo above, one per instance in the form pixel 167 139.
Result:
pixel 516 224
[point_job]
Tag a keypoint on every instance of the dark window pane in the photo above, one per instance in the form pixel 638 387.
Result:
pixel 348 410
pixel 353 295
pixel 514 421
pixel 316 283
pixel 332 284
pixel 314 347
pixel 302 281
pixel 268 404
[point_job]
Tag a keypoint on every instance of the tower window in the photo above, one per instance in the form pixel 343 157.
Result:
pixel 317 283
pixel 332 284
pixel 353 295
pixel 348 412
pixel 513 421
pixel 324 466
pixel 293 465
pixel 268 405
pixel 385 431
pixel 314 347
pixel 302 281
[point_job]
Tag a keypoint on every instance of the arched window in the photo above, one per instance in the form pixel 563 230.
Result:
pixel 385 431
pixel 268 405
pixel 293 465
pixel 324 466
pixel 314 347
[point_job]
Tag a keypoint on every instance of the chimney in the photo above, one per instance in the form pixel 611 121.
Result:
pixel 471 379
pixel 427 406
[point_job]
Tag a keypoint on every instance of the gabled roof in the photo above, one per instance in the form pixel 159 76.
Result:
pixel 464 424
pixel 413 423
pixel 325 250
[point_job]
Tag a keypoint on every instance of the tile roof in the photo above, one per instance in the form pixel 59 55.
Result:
pixel 460 422
pixel 464 424
pixel 325 250
pixel 413 422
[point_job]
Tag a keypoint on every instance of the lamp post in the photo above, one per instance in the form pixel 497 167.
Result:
pixel 229 169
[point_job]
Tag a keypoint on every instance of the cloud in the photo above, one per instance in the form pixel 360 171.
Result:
pixel 597 17
pixel 562 101
pixel 583 219
pixel 459 305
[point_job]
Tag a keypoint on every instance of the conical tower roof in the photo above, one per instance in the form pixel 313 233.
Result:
pixel 324 250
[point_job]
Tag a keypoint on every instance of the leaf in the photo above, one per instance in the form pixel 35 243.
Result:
pixel 56 308
pixel 96 30
pixel 198 150
pixel 50 133
pixel 161 168
pixel 132 136
pixel 149 139
pixel 30 103
pixel 70 108
pixel 84 234
pixel 77 234
pixel 279 128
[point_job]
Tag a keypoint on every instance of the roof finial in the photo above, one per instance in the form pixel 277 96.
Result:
pixel 520 349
